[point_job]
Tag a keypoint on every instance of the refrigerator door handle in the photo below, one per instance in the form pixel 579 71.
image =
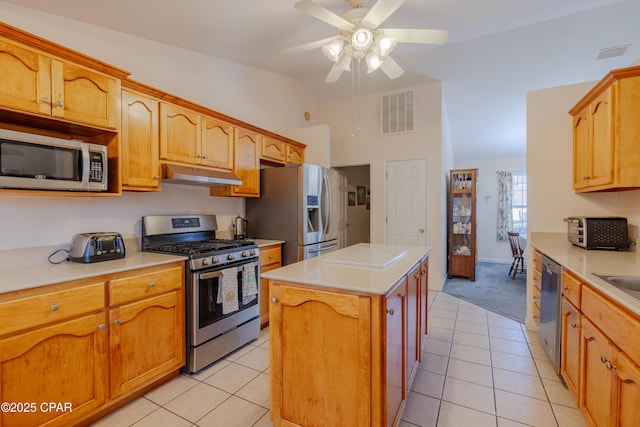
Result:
pixel 326 204
pixel 324 248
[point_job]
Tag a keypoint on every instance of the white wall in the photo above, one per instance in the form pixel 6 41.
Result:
pixel 356 139
pixel 273 102
pixel 490 249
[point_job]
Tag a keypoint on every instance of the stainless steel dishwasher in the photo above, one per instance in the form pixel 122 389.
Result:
pixel 550 322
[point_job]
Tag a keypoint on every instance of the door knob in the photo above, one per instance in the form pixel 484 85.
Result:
pixel 421 230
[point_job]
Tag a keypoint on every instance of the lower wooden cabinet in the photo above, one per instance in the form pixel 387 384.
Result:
pixel 270 259
pixel 341 358
pixel 570 345
pixel 146 338
pixel 64 363
pixel 87 353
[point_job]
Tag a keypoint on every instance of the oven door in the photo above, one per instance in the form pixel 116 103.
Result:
pixel 208 318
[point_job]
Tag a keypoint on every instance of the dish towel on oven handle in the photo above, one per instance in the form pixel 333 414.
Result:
pixel 249 283
pixel 228 290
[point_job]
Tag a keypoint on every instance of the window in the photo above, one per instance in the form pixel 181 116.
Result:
pixel 519 202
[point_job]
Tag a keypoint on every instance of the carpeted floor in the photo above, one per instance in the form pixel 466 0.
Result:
pixel 493 290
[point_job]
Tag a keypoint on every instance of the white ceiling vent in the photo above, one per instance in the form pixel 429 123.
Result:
pixel 397 113
pixel 612 52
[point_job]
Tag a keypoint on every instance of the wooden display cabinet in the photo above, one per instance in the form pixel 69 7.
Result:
pixel 462 223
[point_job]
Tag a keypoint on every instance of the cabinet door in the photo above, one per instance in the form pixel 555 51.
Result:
pixel 596 384
pixel 84 96
pixel 217 143
pixel 247 162
pixel 325 332
pixel 396 351
pixel 295 154
pixel 273 149
pixel 414 338
pixel 146 339
pixel 628 388
pixel 424 301
pixel 25 79
pixel 581 149
pixel 140 137
pixel 570 345
pixel 64 362
pixel 180 134
pixel 602 139
pixel 270 259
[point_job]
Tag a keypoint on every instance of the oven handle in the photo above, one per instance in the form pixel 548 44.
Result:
pixel 204 276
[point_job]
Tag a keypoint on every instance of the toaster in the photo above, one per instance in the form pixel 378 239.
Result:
pixel 96 247
pixel 608 233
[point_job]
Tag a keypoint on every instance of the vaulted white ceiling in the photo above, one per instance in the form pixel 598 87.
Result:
pixel 497 51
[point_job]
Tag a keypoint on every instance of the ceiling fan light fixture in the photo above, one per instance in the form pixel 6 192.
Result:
pixel 361 38
pixel 333 49
pixel 386 45
pixel 373 62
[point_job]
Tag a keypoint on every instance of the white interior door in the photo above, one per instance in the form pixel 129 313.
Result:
pixel 406 202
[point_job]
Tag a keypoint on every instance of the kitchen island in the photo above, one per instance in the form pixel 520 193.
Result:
pixel 347 330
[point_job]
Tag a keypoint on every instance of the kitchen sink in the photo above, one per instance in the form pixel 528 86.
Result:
pixel 628 284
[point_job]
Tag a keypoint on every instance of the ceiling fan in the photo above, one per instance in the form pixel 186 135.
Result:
pixel 359 37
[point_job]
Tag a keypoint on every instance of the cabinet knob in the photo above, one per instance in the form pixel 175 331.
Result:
pixel 573 325
pixel 274 300
pixel 199 156
pixel 156 177
pixel 54 307
pixel 421 230
pixel 206 156
pixel 152 284
pixel 60 103
pixel 390 311
pixel 46 100
pixel 116 322
pixel 102 326
pixel 565 288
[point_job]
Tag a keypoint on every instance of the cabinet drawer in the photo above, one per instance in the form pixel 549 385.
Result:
pixel 571 288
pixel 537 260
pixel 46 308
pixel 618 324
pixel 145 285
pixel 270 255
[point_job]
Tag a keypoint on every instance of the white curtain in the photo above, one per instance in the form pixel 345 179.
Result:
pixel 505 218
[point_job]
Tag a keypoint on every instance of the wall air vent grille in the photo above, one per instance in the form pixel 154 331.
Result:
pixel 397 113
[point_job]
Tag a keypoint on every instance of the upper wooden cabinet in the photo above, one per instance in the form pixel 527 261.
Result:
pixel 246 165
pixel 180 134
pixel 217 143
pixel 273 150
pixel 605 134
pixel 139 136
pixel 34 82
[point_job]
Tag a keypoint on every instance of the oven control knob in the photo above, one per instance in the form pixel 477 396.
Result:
pixel 252 252
pixel 205 261
pixel 214 260
pixel 245 254
pixel 231 257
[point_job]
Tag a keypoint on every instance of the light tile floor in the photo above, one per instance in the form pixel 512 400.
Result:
pixel 478 369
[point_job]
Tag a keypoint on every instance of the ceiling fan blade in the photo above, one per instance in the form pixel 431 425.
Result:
pixel 307 46
pixel 381 11
pixel 405 35
pixel 319 12
pixel 334 74
pixel 391 68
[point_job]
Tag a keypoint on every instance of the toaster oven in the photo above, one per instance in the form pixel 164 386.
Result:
pixel 606 233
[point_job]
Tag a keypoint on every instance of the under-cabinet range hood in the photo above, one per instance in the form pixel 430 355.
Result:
pixel 196 176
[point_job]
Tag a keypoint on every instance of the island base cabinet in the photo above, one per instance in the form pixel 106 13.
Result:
pixel 321 358
pixel 64 364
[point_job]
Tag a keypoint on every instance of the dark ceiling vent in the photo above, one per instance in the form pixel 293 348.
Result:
pixel 612 52
pixel 397 113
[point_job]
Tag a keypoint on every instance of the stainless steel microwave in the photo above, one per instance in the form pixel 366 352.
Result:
pixel 39 162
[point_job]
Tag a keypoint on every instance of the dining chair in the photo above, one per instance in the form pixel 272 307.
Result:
pixel 517 266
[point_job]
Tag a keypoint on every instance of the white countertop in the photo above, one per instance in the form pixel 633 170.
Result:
pixel 13 278
pixel 359 268
pixel 583 263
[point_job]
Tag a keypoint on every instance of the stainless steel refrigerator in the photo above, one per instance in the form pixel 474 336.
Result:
pixel 301 204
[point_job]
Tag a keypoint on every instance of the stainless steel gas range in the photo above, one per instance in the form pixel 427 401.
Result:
pixel 222 284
